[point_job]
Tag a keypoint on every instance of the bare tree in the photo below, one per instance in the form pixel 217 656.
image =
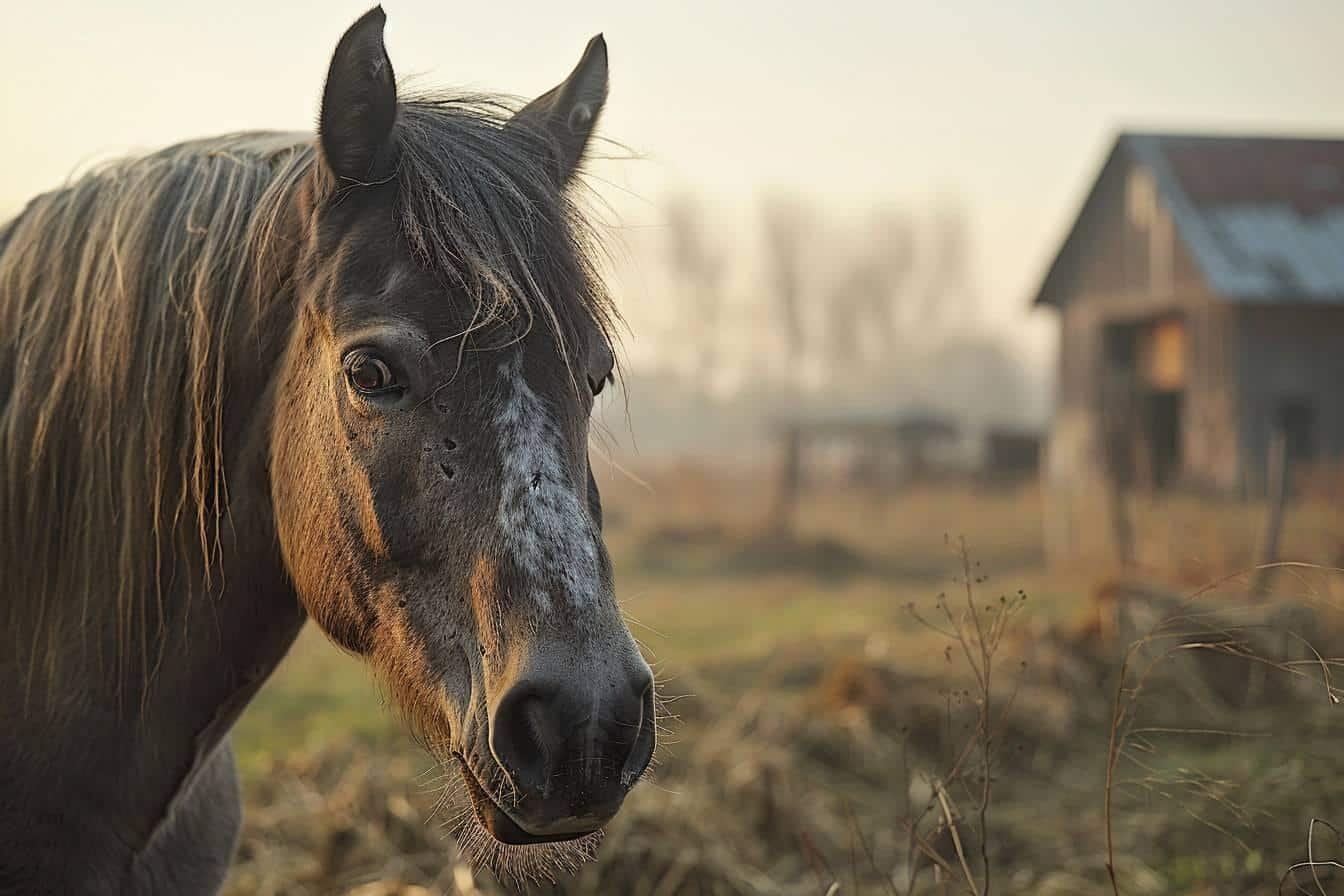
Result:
pixel 786 222
pixel 699 266
pixel 948 295
pixel 883 312
pixel 864 316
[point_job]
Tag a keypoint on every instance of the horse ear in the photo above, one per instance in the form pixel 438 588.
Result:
pixel 566 115
pixel 359 103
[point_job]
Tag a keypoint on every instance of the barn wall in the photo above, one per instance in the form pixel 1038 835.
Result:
pixel 1289 352
pixel 1210 455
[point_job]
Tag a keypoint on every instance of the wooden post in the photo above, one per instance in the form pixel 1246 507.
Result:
pixel 1117 428
pixel 790 480
pixel 1276 485
pixel 1122 529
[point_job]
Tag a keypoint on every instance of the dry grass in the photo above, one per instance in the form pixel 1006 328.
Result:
pixel 832 742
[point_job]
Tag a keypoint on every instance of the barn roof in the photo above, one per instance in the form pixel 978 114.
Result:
pixel 1263 217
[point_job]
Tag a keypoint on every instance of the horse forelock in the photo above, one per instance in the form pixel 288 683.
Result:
pixel 480 207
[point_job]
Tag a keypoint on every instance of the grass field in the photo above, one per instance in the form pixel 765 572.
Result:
pixel 819 715
pixel 695 596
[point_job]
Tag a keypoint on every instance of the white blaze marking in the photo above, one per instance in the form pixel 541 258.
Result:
pixel 543 522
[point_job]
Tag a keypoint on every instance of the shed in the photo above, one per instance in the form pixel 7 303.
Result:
pixel 1200 296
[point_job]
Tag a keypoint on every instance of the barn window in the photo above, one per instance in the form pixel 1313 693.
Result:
pixel 1163 348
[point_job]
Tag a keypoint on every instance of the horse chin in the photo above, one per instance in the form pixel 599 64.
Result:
pixel 488 838
pixel 499 825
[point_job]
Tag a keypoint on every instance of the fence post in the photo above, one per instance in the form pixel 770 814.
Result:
pixel 1276 482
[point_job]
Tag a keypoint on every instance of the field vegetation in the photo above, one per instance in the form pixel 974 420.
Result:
pixel 899 696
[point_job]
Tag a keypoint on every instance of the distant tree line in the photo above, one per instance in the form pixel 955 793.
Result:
pixel 811 309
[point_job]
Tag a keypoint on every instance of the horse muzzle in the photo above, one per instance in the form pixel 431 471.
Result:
pixel 572 746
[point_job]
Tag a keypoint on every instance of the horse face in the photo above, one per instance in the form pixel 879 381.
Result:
pixel 430 475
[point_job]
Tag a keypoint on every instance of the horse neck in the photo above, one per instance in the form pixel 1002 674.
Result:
pixel 238 615
pixel 130 738
pixel 225 622
pixel 229 628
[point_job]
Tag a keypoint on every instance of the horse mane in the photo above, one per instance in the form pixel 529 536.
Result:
pixel 129 298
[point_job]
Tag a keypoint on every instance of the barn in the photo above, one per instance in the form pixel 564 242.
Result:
pixel 1200 297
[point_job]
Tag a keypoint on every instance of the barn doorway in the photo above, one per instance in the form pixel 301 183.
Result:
pixel 1146 364
pixel 1163 431
pixel 1297 421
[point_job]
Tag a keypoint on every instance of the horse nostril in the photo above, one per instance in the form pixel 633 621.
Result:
pixel 646 734
pixel 524 739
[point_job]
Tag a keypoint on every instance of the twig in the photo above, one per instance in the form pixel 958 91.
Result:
pixel 956 838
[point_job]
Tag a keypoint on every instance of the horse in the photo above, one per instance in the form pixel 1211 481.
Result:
pixel 347 376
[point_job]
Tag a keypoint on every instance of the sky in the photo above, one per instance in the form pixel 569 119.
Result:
pixel 1008 107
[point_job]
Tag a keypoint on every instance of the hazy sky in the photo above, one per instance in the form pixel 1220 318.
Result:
pixel 1009 106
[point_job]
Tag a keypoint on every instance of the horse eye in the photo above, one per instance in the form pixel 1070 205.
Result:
pixel 369 375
